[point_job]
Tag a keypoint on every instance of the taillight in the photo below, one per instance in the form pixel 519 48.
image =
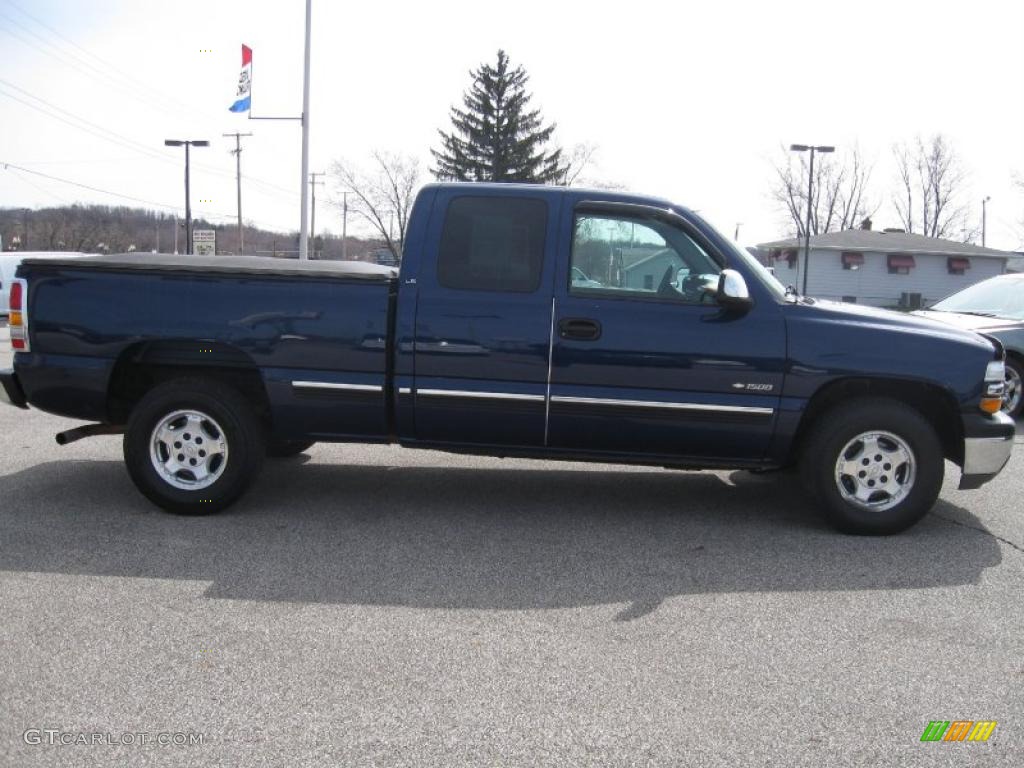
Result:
pixel 18 318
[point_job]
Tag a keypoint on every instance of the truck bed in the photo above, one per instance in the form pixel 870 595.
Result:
pixel 315 332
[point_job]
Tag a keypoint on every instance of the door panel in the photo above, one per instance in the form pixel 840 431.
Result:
pixel 483 319
pixel 671 373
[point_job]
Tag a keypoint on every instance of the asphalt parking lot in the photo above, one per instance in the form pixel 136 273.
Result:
pixel 378 606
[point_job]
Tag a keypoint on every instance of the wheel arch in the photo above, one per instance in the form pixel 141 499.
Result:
pixel 933 402
pixel 144 365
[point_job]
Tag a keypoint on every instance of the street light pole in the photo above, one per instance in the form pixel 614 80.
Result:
pixel 188 199
pixel 304 204
pixel 810 201
pixel 984 212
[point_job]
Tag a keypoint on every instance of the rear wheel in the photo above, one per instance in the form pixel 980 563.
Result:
pixel 874 466
pixel 192 446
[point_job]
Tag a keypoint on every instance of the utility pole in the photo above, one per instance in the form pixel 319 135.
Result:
pixel 984 212
pixel 313 184
pixel 344 226
pixel 237 152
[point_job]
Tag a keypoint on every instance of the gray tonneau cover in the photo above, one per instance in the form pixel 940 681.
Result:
pixel 265 265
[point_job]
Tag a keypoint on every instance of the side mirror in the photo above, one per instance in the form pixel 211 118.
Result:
pixel 732 290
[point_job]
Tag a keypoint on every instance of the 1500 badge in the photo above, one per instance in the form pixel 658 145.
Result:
pixel 754 387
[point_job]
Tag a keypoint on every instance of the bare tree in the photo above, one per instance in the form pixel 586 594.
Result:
pixel 383 196
pixel 577 160
pixel 930 188
pixel 841 198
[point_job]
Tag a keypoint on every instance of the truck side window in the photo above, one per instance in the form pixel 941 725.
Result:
pixel 493 244
pixel 638 258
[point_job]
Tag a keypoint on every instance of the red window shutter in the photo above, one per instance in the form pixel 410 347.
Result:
pixel 853 259
pixel 958 264
pixel 901 261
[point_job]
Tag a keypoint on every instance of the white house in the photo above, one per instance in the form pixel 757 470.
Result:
pixel 890 268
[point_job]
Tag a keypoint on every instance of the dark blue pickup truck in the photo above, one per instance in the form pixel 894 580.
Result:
pixel 525 321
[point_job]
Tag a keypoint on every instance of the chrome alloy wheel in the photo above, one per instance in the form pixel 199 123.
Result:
pixel 1011 390
pixel 188 450
pixel 875 471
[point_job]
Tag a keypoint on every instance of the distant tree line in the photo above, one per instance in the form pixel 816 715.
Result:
pixel 107 229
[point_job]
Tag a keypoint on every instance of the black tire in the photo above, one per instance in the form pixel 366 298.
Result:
pixel 283 449
pixel 831 434
pixel 226 409
pixel 1014 366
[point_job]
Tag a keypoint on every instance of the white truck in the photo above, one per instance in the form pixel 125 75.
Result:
pixel 9 262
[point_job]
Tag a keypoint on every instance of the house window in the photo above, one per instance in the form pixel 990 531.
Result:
pixel 957 265
pixel 789 255
pixel 900 264
pixel 852 260
pixel 911 301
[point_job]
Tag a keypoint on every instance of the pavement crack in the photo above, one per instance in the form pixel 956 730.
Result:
pixel 986 531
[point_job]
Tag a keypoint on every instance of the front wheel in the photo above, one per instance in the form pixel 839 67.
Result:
pixel 874 466
pixel 192 446
pixel 1013 394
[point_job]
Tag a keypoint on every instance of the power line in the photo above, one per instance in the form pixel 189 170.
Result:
pixel 124 83
pixel 116 70
pixel 36 187
pixel 8 166
pixel 62 115
pixel 95 129
pixel 165 206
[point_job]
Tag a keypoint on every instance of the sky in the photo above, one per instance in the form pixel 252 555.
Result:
pixel 690 101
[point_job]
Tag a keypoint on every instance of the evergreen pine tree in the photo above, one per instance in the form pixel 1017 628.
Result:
pixel 496 137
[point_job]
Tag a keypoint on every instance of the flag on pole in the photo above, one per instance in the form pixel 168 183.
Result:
pixel 244 96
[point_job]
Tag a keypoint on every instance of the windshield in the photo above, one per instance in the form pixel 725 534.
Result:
pixel 997 297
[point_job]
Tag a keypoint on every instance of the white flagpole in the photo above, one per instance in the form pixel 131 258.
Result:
pixel 304 228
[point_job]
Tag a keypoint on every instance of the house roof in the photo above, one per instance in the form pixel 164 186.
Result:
pixel 888 242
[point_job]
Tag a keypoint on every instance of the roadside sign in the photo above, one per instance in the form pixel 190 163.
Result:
pixel 204 242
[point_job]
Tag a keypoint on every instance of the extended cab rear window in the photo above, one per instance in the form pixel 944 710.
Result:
pixel 493 244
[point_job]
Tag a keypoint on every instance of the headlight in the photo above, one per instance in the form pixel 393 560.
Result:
pixel 995 382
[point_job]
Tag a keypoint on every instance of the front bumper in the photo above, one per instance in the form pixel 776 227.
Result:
pixel 988 442
pixel 10 389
